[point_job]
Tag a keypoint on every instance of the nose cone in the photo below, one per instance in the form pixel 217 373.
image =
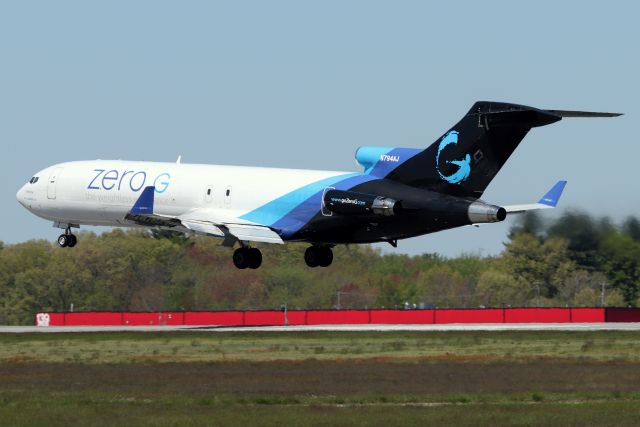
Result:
pixel 20 196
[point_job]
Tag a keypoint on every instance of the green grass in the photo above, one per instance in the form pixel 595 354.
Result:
pixel 85 410
pixel 320 378
pixel 261 347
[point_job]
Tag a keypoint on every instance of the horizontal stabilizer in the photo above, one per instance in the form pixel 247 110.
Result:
pixel 551 198
pixel 569 113
pixel 548 201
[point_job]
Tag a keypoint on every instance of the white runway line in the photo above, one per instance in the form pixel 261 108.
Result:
pixel 336 328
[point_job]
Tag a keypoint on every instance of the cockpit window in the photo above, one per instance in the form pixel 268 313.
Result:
pixel 33 180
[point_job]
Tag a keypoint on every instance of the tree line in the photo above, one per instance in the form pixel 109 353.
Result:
pixel 574 260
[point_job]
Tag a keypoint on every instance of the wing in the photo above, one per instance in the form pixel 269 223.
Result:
pixel 209 222
pixel 548 201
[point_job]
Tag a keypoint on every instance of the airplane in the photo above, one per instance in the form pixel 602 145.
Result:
pixel 400 193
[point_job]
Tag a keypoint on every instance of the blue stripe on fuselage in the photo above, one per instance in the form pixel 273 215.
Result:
pixel 304 212
pixel 291 211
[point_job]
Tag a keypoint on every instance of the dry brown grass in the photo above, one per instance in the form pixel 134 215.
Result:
pixel 312 377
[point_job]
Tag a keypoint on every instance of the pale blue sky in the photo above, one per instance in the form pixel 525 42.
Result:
pixel 303 84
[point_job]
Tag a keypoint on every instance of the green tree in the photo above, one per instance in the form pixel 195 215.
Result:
pixel 497 289
pixel 443 287
pixel 176 237
pixel 583 235
pixel 528 223
pixel 631 227
pixel 582 288
pixel 620 260
pixel 538 266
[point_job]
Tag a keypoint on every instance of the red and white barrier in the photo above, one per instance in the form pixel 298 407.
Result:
pixel 340 317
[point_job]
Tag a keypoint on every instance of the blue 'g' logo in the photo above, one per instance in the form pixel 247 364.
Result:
pixel 464 166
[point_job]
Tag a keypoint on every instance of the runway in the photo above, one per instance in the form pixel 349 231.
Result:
pixel 334 328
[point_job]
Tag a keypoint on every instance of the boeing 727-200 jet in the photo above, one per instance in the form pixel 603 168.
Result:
pixel 400 193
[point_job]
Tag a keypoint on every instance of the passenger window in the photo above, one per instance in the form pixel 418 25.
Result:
pixel 228 192
pixel 208 191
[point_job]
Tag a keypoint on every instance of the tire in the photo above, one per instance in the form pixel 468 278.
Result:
pixel 72 240
pixel 326 257
pixel 255 258
pixel 312 257
pixel 241 258
pixel 63 240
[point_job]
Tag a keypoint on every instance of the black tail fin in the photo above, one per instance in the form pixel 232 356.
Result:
pixel 465 159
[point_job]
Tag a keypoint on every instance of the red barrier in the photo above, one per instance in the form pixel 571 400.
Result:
pixel 172 318
pixel 263 318
pixel 345 317
pixel 587 315
pixel 214 318
pixel 537 315
pixel 297 317
pixel 338 317
pixel 402 317
pixel 140 319
pixel 93 318
pixel 622 315
pixel 487 315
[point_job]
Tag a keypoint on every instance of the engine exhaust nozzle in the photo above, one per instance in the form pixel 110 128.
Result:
pixel 480 212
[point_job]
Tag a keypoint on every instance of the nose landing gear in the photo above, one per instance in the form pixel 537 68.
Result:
pixel 67 240
pixel 321 256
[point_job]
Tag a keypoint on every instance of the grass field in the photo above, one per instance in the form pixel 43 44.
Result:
pixel 317 378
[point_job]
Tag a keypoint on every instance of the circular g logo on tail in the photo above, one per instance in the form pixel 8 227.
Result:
pixel 464 165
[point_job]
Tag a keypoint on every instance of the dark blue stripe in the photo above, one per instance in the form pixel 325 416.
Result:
pixel 385 167
pixel 292 222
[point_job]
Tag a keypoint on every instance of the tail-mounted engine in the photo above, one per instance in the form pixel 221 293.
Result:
pixel 353 203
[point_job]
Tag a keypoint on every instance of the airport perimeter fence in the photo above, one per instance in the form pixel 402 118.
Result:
pixel 339 317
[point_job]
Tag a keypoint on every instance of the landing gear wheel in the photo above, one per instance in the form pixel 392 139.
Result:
pixel 312 256
pixel 63 240
pixel 247 258
pixel 316 256
pixel 67 240
pixel 241 258
pixel 255 258
pixel 326 257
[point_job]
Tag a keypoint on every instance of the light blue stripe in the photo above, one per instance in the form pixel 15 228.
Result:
pixel 273 211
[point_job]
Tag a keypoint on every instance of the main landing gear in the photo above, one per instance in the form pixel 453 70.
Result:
pixel 316 256
pixel 245 257
pixel 67 240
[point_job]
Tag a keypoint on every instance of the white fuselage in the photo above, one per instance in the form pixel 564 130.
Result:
pixel 101 192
